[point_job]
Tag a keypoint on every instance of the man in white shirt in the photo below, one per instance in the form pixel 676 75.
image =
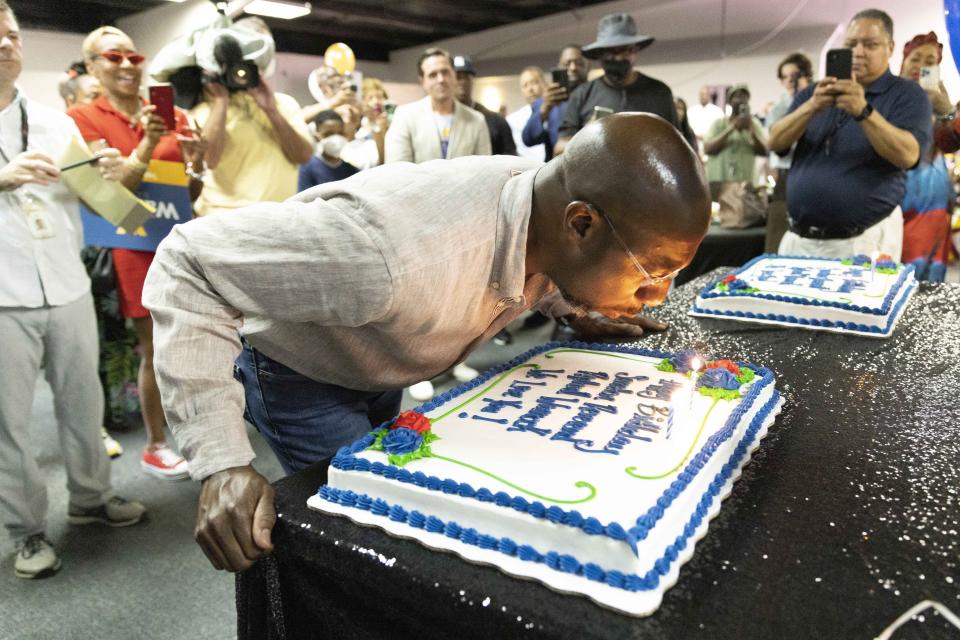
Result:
pixel 531 86
pixel 438 126
pixel 46 316
pixel 702 115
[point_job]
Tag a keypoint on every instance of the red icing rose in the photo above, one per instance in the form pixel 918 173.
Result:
pixel 884 256
pixel 729 365
pixel 730 278
pixel 412 420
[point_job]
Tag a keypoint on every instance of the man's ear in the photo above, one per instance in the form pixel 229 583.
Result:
pixel 579 218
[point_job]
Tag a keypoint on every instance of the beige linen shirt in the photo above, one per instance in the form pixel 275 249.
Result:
pixel 374 282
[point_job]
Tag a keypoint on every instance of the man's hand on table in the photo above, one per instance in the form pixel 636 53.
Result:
pixel 597 326
pixel 235 516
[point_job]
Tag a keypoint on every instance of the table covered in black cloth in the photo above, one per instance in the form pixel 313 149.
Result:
pixel 724 248
pixel 846 517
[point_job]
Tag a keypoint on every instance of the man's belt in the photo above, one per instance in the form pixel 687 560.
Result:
pixel 839 232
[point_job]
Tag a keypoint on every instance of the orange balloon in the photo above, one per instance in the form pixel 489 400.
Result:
pixel 340 56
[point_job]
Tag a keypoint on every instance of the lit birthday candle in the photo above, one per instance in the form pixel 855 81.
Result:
pixel 695 365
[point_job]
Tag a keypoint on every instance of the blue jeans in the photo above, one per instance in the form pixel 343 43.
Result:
pixel 305 421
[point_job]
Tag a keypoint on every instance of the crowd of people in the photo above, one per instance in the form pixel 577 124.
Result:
pixel 856 167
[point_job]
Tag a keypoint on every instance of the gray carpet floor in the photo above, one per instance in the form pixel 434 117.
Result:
pixel 149 580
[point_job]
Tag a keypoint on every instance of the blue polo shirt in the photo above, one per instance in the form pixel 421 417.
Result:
pixel 837 179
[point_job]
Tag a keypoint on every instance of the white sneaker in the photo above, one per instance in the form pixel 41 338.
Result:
pixel 164 462
pixel 463 373
pixel 422 391
pixel 36 558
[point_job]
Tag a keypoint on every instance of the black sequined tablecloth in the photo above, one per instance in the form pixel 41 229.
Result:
pixel 847 515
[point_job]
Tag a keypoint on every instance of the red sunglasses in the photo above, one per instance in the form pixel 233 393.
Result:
pixel 117 57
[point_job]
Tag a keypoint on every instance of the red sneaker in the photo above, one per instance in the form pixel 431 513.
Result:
pixel 165 463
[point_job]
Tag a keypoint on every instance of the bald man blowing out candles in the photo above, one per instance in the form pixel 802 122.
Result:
pixel 353 290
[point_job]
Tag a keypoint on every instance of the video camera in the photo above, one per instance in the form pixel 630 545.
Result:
pixel 236 74
pixel 220 53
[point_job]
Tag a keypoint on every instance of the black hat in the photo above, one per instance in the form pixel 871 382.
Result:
pixel 465 64
pixel 737 88
pixel 616 30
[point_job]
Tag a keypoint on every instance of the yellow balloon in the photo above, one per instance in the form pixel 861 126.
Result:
pixel 340 57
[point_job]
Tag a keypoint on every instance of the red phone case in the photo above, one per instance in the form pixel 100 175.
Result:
pixel 162 96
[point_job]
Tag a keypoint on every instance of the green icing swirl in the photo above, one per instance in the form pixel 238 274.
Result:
pixel 631 470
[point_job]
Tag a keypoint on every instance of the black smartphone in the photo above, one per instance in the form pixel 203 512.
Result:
pixel 840 63
pixel 560 77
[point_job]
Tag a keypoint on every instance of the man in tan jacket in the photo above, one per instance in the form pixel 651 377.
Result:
pixel 438 126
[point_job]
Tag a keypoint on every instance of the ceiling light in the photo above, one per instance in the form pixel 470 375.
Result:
pixel 278 9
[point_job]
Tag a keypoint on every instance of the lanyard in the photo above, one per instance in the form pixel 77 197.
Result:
pixel 24 131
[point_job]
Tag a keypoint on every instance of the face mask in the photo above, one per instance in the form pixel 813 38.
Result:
pixel 333 145
pixel 616 70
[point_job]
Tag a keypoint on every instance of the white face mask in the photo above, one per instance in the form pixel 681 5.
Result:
pixel 333 145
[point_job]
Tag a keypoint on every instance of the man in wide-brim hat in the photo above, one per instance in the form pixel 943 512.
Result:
pixel 621 88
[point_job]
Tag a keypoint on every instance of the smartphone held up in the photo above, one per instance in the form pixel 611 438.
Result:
pixel 930 78
pixel 840 64
pixel 161 96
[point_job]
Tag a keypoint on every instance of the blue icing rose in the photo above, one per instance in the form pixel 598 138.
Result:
pixel 681 361
pixel 887 264
pixel 738 285
pixel 400 441
pixel 718 378
pixel 861 259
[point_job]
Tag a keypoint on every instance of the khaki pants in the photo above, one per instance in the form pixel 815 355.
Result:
pixel 64 340
pixel 884 237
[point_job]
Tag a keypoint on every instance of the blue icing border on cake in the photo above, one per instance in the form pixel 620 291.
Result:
pixel 707 292
pixel 826 324
pixel 565 562
pixel 346 459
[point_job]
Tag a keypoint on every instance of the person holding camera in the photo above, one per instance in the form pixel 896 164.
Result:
pixel 546 116
pixel 732 144
pixel 256 140
pixel 855 139
pixel 122 119
pixel 621 88
pixel 366 149
pixel 46 318
pixel 331 91
pixel 930 194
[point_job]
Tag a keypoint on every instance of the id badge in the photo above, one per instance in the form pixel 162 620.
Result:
pixel 38 219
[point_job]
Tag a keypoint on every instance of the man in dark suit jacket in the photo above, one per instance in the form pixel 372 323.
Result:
pixel 501 137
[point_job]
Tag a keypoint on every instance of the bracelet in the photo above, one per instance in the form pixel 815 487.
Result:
pixel 196 175
pixel 135 163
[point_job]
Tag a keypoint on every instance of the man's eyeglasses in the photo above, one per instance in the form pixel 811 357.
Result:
pixel 869 45
pixel 117 57
pixel 648 280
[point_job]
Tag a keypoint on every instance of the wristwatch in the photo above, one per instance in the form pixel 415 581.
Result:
pixel 867 110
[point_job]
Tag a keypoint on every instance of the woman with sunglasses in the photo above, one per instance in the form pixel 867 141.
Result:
pixel 121 118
